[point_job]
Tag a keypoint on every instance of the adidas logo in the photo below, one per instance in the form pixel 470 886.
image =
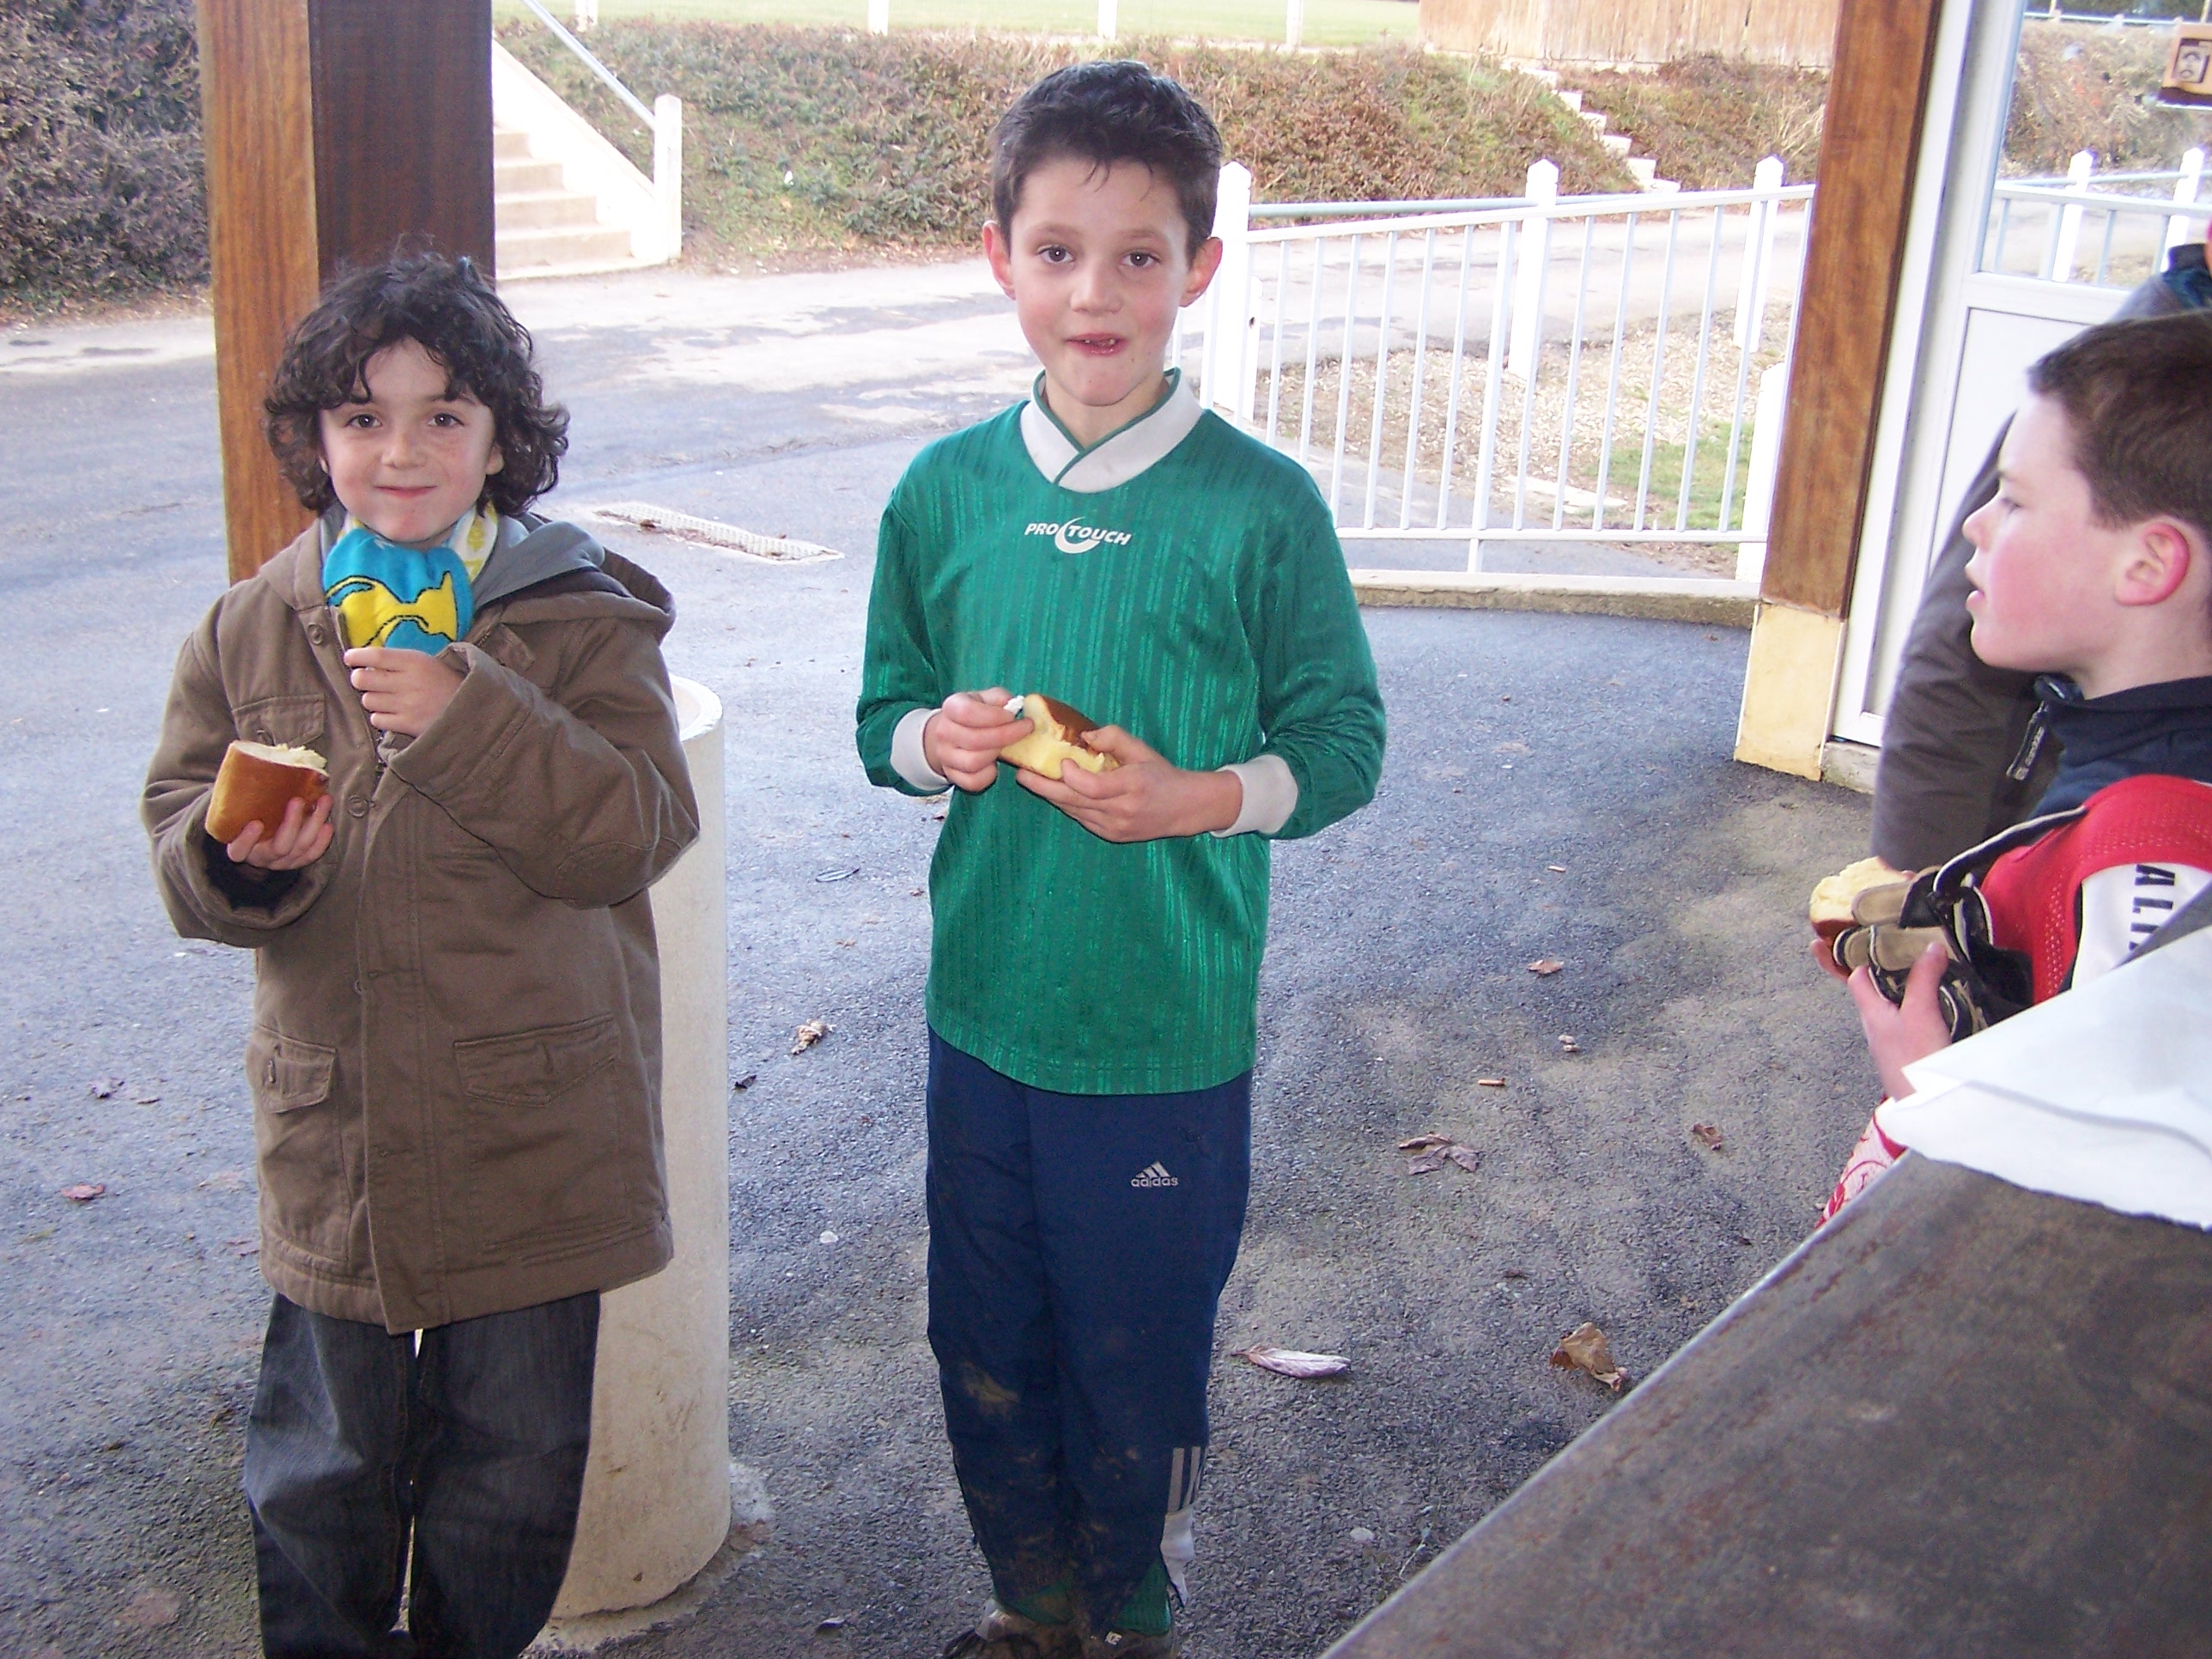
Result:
pixel 1155 1175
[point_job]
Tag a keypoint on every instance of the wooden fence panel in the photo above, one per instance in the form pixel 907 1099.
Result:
pixel 1799 32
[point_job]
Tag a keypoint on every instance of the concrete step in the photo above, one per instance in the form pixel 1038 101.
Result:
pixel 1617 143
pixel 1570 96
pixel 1596 117
pixel 548 209
pixel 509 144
pixel 587 246
pixel 524 176
pixel 1642 168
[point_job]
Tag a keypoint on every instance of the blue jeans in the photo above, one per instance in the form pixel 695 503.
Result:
pixel 1077 1249
pixel 474 1445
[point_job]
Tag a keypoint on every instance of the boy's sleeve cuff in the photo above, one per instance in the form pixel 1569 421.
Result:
pixel 1271 795
pixel 906 753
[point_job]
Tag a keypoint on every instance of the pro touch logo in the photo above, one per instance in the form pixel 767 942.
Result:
pixel 1076 537
pixel 1157 1175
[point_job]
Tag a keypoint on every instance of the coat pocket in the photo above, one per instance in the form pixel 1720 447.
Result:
pixel 298 722
pixel 546 1166
pixel 305 1196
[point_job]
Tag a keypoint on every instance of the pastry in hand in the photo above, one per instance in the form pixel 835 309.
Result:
pixel 1831 910
pixel 1055 740
pixel 257 781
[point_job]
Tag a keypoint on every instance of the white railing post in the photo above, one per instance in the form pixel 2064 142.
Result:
pixel 1294 22
pixel 2066 230
pixel 879 16
pixel 1757 257
pixel 2184 195
pixel 1534 255
pixel 586 15
pixel 1766 466
pixel 1228 367
pixel 1109 19
pixel 668 169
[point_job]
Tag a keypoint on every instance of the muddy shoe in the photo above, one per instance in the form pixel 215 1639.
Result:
pixel 1123 1644
pixel 1002 1635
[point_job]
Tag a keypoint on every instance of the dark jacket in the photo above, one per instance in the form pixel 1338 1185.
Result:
pixel 1962 754
pixel 455 1056
pixel 2164 728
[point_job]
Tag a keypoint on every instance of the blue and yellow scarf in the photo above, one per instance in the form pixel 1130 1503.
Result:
pixel 409 599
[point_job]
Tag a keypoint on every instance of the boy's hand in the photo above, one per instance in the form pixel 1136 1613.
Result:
pixel 402 690
pixel 961 740
pixel 301 837
pixel 1897 1036
pixel 1143 799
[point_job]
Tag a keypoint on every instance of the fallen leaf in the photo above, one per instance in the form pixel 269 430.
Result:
pixel 1706 1136
pixel 1557 869
pixel 849 941
pixel 104 1088
pixel 1515 1272
pixel 1424 1143
pixel 808 1034
pixel 153 1608
pixel 146 1100
pixel 1509 748
pixel 1465 1156
pixel 1288 1362
pixel 838 875
pixel 243 1246
pixel 84 1191
pixel 1568 1045
pixel 916 892
pixel 745 1082
pixel 1490 1083
pixel 1362 1537
pixel 828 1625
pixel 1427 1163
pixel 1585 1349
pixel 1545 966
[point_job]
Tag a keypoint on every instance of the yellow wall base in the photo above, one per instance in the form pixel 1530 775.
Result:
pixel 1789 689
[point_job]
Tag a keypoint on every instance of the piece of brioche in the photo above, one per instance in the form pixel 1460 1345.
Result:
pixel 1053 744
pixel 1831 908
pixel 255 782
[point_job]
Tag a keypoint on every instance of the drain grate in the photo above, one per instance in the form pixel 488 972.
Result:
pixel 712 532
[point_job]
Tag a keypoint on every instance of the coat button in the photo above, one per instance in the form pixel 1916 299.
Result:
pixel 358 806
pixel 317 634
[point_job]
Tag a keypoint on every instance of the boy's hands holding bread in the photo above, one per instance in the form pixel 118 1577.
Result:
pixel 301 836
pixel 963 739
pixel 1144 797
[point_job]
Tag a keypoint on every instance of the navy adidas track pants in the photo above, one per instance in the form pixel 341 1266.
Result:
pixel 1078 1248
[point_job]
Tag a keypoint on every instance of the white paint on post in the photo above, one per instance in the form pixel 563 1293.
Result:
pixel 879 16
pixel 1294 22
pixel 587 15
pixel 2182 227
pixel 1229 375
pixel 668 169
pixel 1765 465
pixel 1109 19
pixel 1758 257
pixel 2066 233
pixel 1533 254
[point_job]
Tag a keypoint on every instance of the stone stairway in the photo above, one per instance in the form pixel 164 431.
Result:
pixel 1642 168
pixel 544 228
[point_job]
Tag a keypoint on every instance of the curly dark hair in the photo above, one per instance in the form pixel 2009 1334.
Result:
pixel 447 308
pixel 1101 113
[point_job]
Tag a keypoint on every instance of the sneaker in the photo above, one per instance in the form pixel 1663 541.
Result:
pixel 1125 1644
pixel 1000 1634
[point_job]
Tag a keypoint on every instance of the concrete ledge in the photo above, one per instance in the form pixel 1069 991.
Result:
pixel 1663 598
pixel 1851 765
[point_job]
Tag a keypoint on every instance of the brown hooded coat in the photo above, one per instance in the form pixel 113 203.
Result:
pixel 455 1054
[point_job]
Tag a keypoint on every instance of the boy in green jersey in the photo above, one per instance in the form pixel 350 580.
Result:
pixel 1093 985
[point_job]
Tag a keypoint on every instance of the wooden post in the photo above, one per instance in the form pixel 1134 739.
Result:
pixel 1870 149
pixel 334 129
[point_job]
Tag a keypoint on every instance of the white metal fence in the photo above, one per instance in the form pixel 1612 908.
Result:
pixel 1597 369
pixel 2037 226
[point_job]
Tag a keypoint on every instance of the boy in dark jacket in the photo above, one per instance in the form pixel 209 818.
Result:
pixel 455 1049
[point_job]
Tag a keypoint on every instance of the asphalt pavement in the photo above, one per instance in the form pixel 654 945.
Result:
pixel 1558 787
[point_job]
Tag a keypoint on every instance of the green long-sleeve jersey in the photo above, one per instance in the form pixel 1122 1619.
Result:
pixel 1197 598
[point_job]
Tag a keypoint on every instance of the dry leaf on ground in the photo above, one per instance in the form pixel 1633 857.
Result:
pixel 104 1088
pixel 1568 1045
pixel 745 1082
pixel 1585 1349
pixel 1706 1136
pixel 1465 1156
pixel 1424 1143
pixel 1545 966
pixel 1427 1163
pixel 1290 1362
pixel 808 1034
pixel 1490 1083
pixel 84 1191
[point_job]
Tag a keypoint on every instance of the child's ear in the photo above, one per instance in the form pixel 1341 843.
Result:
pixel 997 251
pixel 2159 562
pixel 495 462
pixel 1204 263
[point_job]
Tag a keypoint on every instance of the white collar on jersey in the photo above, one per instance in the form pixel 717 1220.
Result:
pixel 1118 457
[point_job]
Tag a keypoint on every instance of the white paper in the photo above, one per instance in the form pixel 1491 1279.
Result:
pixel 2103 1094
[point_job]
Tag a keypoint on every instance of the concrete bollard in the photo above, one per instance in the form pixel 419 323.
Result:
pixel 657 1492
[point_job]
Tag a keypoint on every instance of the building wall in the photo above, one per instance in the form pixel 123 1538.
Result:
pixel 1801 32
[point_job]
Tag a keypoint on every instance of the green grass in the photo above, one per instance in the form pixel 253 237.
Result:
pixel 1328 22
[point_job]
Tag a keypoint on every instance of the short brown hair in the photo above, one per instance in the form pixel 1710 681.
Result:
pixel 1102 114
pixel 446 307
pixel 2138 397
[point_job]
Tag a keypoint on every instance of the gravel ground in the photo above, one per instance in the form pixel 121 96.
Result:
pixel 1397 978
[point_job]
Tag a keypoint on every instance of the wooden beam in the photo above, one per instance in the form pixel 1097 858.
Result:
pixel 336 129
pixel 254 86
pixel 1869 147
